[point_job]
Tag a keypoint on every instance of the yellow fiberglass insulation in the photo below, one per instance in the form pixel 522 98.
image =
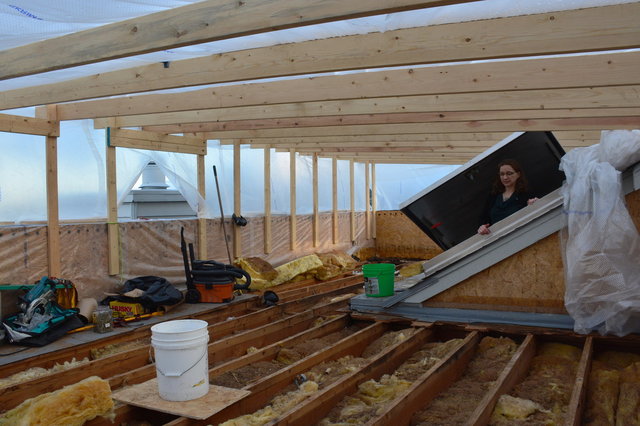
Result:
pixel 628 410
pixel 602 395
pixel 411 269
pixel 35 372
pixel 515 408
pixel 296 267
pixel 70 406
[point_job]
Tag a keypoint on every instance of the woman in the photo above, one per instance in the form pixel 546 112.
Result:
pixel 509 194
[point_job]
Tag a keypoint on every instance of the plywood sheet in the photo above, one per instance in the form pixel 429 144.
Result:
pixel 531 280
pixel 398 236
pixel 146 395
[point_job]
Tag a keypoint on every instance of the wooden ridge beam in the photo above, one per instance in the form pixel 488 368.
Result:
pixel 601 28
pixel 576 98
pixel 192 24
pixel 29 125
pixel 607 69
pixel 157 142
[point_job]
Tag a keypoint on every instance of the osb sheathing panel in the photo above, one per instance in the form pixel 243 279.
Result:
pixel 531 280
pixel 398 236
pixel 23 254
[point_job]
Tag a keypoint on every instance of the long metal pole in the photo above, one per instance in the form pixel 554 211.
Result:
pixel 224 230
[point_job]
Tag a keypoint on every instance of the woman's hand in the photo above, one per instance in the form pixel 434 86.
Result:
pixel 531 200
pixel 484 229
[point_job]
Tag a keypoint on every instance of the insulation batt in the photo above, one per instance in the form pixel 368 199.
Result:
pixel 35 372
pixel 70 406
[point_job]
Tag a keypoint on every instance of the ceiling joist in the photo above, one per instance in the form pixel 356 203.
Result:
pixel 592 29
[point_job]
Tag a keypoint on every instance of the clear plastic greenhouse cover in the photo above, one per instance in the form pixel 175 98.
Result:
pixel 81 156
pixel 601 245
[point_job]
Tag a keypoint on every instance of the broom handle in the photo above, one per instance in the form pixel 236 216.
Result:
pixel 224 230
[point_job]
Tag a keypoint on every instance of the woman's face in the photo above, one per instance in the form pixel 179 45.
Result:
pixel 508 176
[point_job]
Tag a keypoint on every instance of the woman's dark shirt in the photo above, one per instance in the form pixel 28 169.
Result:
pixel 497 209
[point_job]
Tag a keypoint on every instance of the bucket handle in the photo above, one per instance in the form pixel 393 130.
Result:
pixel 151 357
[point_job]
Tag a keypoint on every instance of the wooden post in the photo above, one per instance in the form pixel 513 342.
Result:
pixel 334 192
pixel 53 215
pixel 112 209
pixel 267 199
pixel 292 199
pixel 316 219
pixel 202 222
pixel 237 202
pixel 352 193
pixel 367 210
pixel 374 200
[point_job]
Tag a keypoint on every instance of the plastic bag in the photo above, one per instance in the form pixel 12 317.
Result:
pixel 601 245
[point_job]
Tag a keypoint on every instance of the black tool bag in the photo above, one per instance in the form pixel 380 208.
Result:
pixel 62 321
pixel 158 292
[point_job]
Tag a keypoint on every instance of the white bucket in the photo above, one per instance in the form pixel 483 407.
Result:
pixel 182 361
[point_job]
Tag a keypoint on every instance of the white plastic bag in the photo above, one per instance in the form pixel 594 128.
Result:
pixel 601 245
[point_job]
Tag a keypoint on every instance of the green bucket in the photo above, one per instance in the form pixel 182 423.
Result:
pixel 378 279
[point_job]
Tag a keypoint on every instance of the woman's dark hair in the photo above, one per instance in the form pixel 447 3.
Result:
pixel 521 184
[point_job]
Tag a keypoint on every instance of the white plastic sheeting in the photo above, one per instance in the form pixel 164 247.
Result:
pixel 601 246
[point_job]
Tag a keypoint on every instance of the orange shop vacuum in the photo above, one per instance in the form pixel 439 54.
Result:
pixel 209 281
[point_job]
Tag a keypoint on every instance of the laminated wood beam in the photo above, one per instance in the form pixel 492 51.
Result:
pixel 39 126
pixel 541 99
pixel 157 142
pixel 576 406
pixel 192 24
pixel 513 373
pixel 601 28
pixel 610 69
pixel 436 380
pixel 328 288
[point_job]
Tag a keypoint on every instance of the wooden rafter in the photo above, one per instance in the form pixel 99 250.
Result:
pixel 601 28
pixel 192 24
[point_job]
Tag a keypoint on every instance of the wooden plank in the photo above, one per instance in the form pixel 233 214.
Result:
pixel 530 100
pixel 436 380
pixel 367 200
pixel 315 217
pixel 352 203
pixel 609 69
pixel 292 201
pixel 157 142
pixel 416 117
pixel 576 407
pixel 334 198
pixel 202 222
pixel 38 126
pixel 513 373
pixel 267 199
pixel 113 232
pixel 374 201
pixel 237 199
pixel 435 139
pixel 601 28
pixel 53 215
pixel 195 23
